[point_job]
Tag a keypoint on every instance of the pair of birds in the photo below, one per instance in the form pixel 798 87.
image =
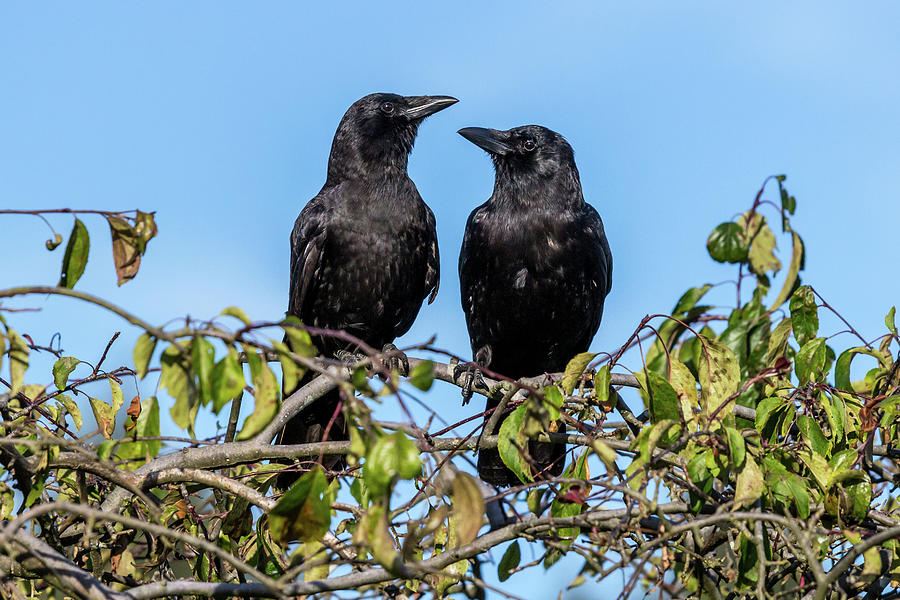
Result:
pixel 535 265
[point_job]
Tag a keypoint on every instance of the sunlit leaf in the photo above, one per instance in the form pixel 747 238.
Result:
pixel 792 278
pixel 809 363
pixel 143 352
pixel 266 404
pixel 750 483
pixel 71 408
pixel 61 370
pixel 889 321
pixel 18 361
pixel 202 360
pixel 227 380
pixel 422 375
pixel 736 447
pixel 237 313
pixel 719 376
pixel 574 370
pixel 468 507
pixel 812 435
pixel 392 457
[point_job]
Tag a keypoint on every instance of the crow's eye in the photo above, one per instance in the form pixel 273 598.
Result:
pixel 529 145
pixel 387 108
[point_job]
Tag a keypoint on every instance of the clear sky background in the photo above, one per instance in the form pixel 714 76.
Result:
pixel 219 116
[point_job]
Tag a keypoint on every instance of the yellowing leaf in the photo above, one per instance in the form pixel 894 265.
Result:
pixel 468 507
pixel 574 369
pixel 719 376
pixel 750 483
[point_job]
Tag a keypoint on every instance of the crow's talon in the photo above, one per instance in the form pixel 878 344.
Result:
pixel 349 358
pixel 395 360
pixel 471 379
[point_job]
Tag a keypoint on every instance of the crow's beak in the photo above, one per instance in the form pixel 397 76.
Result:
pixel 490 140
pixel 419 107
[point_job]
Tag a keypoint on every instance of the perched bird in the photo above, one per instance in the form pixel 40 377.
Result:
pixel 364 251
pixel 534 270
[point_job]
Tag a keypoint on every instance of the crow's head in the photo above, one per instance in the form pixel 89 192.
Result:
pixel 379 130
pixel 525 152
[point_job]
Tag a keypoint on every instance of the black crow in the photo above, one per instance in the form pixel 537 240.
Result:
pixel 534 270
pixel 364 251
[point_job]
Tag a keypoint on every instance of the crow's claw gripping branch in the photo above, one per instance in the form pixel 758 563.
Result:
pixel 471 379
pixel 395 360
pixel 349 358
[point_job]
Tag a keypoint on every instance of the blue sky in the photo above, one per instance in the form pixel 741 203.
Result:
pixel 219 116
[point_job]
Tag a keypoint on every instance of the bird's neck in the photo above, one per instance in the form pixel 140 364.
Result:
pixel 536 191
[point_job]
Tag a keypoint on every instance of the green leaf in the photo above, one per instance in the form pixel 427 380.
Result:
pixel 468 507
pixel 298 339
pixel 304 512
pixel 553 401
pixel 664 403
pixel 511 438
pixel 72 408
pixel 392 457
pixel 203 357
pixel 736 447
pixel 762 244
pixel 422 376
pixel 727 243
pixel 690 298
pixel 719 376
pixel 765 409
pixel 143 352
pixel 291 372
pixel 510 561
pixel 809 363
pixel 61 370
pixel 148 425
pixel 601 384
pixel 798 489
pixel 889 321
pixel 685 387
pixel 266 405
pixel 18 361
pixel 180 386
pixel 605 452
pixel 227 380
pixel 837 415
pixel 105 414
pixel 574 370
pixel 76 257
pixel 561 506
pixel 237 313
pixel 812 435
pixel 804 314
pixel 818 466
pixel 792 278
pixel 650 436
pixel 778 341
pixel 145 228
pixel 860 497
pixel 750 483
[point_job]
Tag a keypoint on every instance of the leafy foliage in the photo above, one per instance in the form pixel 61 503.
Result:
pixel 764 464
